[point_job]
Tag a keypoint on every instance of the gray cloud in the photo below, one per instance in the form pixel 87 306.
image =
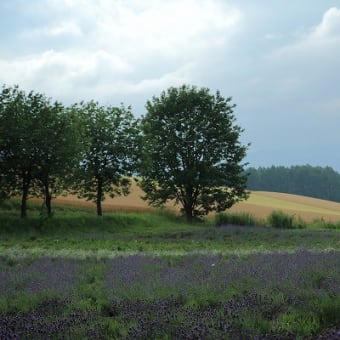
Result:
pixel 278 60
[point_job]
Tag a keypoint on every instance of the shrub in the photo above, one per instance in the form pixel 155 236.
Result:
pixel 279 219
pixel 245 219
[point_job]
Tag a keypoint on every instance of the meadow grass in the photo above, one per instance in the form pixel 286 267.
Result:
pixel 81 233
pixel 152 275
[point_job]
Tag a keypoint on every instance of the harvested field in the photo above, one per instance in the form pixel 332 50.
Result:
pixel 260 204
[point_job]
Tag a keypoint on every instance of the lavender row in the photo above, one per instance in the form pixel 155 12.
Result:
pixel 288 272
pixel 183 297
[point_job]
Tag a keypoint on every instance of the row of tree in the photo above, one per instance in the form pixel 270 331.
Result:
pixel 307 180
pixel 186 149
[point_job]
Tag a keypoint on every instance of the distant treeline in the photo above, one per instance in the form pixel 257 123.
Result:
pixel 307 180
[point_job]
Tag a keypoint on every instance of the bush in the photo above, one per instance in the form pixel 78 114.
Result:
pixel 279 219
pixel 245 219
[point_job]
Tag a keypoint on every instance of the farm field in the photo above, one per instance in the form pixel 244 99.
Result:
pixel 260 204
pixel 150 275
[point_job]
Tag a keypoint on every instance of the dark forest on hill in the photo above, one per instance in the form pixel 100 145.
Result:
pixel 307 180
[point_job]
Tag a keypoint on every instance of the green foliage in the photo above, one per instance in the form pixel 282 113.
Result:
pixel 108 151
pixel 41 143
pixel 192 153
pixel 244 219
pixel 279 219
pixel 301 323
pixel 37 146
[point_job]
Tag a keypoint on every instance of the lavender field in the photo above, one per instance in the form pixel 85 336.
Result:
pixel 273 295
pixel 153 276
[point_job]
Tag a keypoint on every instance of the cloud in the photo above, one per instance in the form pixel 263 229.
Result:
pixel 63 28
pixel 329 27
pixel 175 78
pixel 306 65
pixel 135 29
pixel 320 41
pixel 170 29
pixel 130 46
pixel 75 76
pixel 63 74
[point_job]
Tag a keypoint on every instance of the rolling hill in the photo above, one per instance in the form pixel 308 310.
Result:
pixel 260 204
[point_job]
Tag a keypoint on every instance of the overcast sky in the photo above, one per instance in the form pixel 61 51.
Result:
pixel 278 59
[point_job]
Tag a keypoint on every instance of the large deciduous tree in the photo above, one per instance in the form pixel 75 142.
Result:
pixel 108 155
pixel 192 151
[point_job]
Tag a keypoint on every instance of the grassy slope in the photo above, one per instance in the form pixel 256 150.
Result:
pixel 260 204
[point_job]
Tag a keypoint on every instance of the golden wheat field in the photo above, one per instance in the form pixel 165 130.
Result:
pixel 260 204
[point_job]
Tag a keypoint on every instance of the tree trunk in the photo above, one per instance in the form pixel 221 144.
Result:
pixel 26 179
pixel 189 204
pixel 99 197
pixel 189 211
pixel 48 198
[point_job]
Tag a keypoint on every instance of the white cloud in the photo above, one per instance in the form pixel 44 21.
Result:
pixel 321 40
pixel 63 28
pixel 170 28
pixel 175 78
pixel 60 73
pixel 67 27
pixel 329 27
pixel 75 76
pixel 178 29
pixel 130 46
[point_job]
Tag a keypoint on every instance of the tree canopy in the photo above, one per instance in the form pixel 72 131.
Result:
pixel 37 145
pixel 108 151
pixel 192 151
pixel 185 149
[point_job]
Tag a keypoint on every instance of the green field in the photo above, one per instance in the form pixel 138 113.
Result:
pixel 153 276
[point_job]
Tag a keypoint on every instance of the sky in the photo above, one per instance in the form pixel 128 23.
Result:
pixel 278 59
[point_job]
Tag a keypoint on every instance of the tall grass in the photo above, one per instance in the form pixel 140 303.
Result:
pixel 323 224
pixel 242 219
